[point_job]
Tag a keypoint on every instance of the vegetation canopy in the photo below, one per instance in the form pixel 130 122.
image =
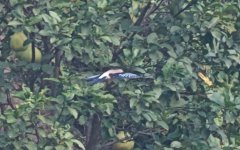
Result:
pixel 189 48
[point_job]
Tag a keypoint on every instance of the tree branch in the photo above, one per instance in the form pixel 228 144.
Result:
pixel 154 8
pixel 186 7
pixel 9 99
pixel 93 133
pixel 147 132
pixel 56 72
pixel 130 36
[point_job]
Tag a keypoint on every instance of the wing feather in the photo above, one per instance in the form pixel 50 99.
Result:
pixel 128 76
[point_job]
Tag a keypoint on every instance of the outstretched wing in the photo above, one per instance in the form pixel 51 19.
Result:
pixel 127 76
pixel 95 79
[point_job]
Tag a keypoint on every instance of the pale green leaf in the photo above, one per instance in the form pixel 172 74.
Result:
pixel 73 111
pixel 176 144
pixel 163 124
pixel 14 23
pixel 213 22
pixel 217 98
pixel 55 15
pixel 152 38
pixel 79 143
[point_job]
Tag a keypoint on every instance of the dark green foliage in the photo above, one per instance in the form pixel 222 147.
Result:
pixel 50 106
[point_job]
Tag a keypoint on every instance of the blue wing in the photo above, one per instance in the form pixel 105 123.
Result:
pixel 127 76
pixel 95 79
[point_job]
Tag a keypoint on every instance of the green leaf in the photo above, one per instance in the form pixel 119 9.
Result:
pixel 228 62
pixel 133 102
pixel 48 148
pixel 44 119
pixel 79 143
pixel 229 117
pixel 146 116
pixel 152 38
pixel 35 20
pixel 73 111
pixel 106 38
pixel 102 3
pixel 217 98
pixel 60 147
pixel 47 19
pixel 194 85
pixel 178 103
pixel 175 29
pixel 68 135
pixel 45 33
pixel 111 131
pixel 213 22
pixel 115 40
pixel 153 116
pixel 109 108
pixel 214 142
pixel 14 2
pixel 69 144
pixel 55 16
pixel 216 34
pixel 163 124
pixel 127 52
pixel 170 49
pixel 14 23
pixel 3 96
pixel 136 117
pixel 11 119
pixel 172 87
pixel 31 146
pixel 82 120
pixel 176 144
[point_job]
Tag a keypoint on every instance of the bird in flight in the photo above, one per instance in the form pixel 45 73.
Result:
pixel 112 73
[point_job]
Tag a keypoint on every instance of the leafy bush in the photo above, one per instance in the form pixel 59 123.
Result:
pixel 50 106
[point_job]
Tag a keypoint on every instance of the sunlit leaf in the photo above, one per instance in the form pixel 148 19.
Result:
pixel 217 98
pixel 73 112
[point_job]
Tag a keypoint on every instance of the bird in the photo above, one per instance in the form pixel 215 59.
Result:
pixel 110 74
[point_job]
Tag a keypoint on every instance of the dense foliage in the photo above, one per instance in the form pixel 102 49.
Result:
pixel 50 106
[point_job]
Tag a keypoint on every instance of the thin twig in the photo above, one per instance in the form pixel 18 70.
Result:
pixel 154 8
pixel 58 58
pixel 186 7
pixel 131 35
pixel 32 37
pixel 9 99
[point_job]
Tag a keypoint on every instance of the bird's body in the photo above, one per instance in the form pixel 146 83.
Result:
pixel 113 73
